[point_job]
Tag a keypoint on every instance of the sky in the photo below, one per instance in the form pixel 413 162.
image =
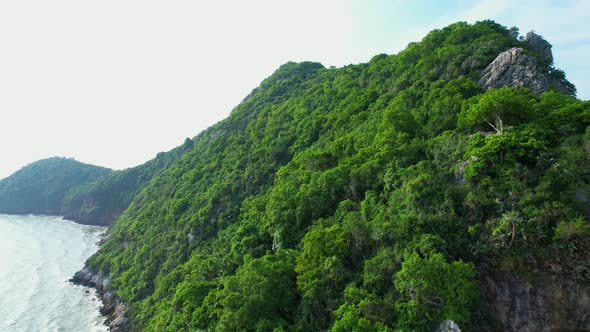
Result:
pixel 112 83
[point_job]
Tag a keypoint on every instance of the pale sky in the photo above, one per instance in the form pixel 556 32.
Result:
pixel 112 83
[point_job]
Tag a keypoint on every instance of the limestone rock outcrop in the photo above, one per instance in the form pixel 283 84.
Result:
pixel 539 45
pixel 448 326
pixel 514 68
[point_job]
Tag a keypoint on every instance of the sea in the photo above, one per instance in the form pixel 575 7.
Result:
pixel 38 254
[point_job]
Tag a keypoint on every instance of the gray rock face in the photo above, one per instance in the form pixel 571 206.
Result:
pixel 448 326
pixel 459 178
pixel 517 69
pixel 540 45
pixel 551 302
pixel 115 310
pixel 514 68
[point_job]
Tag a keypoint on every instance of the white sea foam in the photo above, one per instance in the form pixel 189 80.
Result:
pixel 38 254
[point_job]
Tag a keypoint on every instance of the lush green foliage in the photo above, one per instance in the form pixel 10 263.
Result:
pixel 363 198
pixel 433 290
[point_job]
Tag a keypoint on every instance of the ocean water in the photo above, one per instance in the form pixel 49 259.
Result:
pixel 38 254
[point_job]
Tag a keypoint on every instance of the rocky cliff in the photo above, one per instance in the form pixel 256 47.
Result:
pixel 539 45
pixel 550 301
pixel 517 67
pixel 514 68
pixel 112 307
pixel 550 298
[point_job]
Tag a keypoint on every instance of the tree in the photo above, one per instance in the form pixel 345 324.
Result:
pixel 498 107
pixel 433 290
pixel 321 273
pixel 261 296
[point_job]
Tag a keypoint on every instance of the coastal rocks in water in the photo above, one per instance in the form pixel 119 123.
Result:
pixel 85 278
pixel 539 45
pixel 103 238
pixel 550 302
pixel 115 310
pixel 516 69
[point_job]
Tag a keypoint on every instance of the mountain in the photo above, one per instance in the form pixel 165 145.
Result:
pixel 41 187
pixel 101 202
pixel 84 193
pixel 449 181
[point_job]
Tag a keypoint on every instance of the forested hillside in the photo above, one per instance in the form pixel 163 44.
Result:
pixel 40 187
pixel 81 192
pixel 371 197
pixel 101 202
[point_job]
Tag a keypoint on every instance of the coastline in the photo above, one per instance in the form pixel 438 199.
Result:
pixel 41 253
pixel 115 310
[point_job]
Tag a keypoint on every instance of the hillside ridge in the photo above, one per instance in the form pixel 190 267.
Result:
pixel 61 186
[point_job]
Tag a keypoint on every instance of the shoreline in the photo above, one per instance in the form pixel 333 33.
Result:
pixel 43 253
pixel 115 310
